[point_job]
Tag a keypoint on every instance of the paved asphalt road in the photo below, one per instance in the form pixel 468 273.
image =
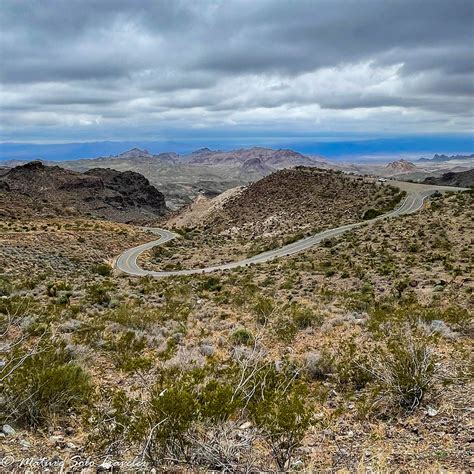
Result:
pixel 416 194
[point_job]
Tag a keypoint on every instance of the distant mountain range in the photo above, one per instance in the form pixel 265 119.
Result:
pixel 344 147
pixel 205 171
pixel 443 158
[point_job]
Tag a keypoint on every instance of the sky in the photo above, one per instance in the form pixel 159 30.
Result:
pixel 83 70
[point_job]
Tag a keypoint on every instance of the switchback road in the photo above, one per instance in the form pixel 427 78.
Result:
pixel 416 194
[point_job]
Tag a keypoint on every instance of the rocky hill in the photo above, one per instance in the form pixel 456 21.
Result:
pixel 50 190
pixel 275 159
pixel 401 166
pixel 464 179
pixel 299 199
pixel 277 209
pixel 183 178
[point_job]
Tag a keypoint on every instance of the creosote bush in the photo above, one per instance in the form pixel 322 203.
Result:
pixel 45 384
pixel 167 423
pixel 103 269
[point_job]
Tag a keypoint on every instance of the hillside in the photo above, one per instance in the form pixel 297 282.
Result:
pixel 298 199
pixel 463 179
pixel 53 191
pixel 401 166
pixel 275 159
pixel 278 209
pixel 326 337
pixel 183 177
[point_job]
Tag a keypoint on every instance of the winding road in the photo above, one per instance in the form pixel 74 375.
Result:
pixel 416 195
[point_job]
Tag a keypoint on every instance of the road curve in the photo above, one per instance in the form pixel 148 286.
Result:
pixel 416 194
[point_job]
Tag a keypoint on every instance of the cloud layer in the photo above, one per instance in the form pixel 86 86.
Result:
pixel 118 69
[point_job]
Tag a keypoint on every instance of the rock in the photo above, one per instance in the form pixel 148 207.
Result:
pixel 358 316
pixel 245 426
pixel 25 444
pixel 206 350
pixel 8 430
pixel 432 412
pixel 438 288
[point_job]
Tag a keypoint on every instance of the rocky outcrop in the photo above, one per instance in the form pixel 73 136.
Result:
pixel 122 196
pixel 401 166
pixel 135 189
pixel 464 179
pixel 255 165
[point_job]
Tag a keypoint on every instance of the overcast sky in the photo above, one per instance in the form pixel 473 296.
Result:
pixel 123 69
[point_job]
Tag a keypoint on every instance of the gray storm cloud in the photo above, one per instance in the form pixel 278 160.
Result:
pixel 102 64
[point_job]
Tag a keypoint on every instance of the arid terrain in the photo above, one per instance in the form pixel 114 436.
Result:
pixel 353 355
pixel 279 209
pixel 182 178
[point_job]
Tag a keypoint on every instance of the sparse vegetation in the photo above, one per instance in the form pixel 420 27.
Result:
pixel 359 345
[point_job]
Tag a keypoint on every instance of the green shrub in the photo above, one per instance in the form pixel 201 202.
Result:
pixel 371 214
pixel 5 286
pixel 127 351
pixel 47 384
pixel 352 366
pixel 99 293
pixel 285 328
pixel 53 288
pixel 211 284
pixel 103 269
pixel 305 317
pixel 283 416
pixel 263 308
pixel 242 336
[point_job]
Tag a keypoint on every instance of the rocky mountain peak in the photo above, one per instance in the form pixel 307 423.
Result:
pixel 401 166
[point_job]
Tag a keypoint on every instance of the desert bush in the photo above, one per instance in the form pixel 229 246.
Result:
pixel 53 288
pixel 127 351
pixel 224 447
pixel 263 308
pixel 211 284
pixel 242 336
pixel 352 366
pixel 283 415
pixel 46 384
pixel 305 317
pixel 371 214
pixel 405 371
pixel 6 286
pixel 285 328
pixel 103 269
pixel 99 293
pixel 318 366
